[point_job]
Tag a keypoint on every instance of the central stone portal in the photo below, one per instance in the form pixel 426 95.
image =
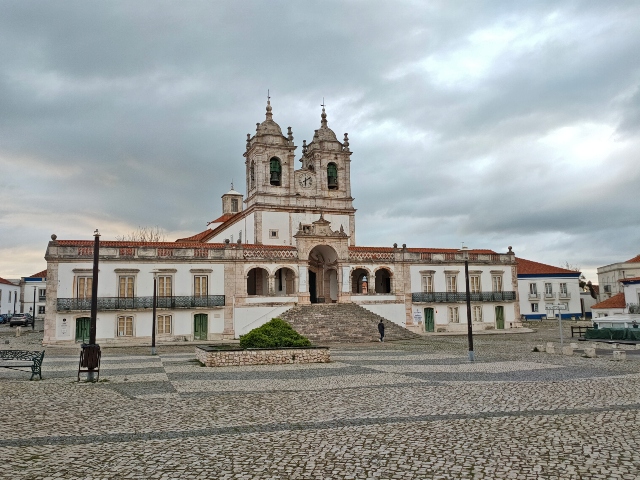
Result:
pixel 323 275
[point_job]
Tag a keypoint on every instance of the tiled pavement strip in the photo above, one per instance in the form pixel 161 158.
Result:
pixel 410 410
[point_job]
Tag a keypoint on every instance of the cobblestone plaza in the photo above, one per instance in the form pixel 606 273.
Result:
pixel 398 410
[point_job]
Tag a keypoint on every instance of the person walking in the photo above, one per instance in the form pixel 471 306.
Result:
pixel 381 330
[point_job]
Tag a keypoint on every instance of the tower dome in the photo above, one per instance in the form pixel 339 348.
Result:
pixel 268 127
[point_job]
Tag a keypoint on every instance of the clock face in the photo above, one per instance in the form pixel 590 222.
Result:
pixel 306 180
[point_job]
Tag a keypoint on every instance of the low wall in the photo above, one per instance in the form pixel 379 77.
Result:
pixel 215 357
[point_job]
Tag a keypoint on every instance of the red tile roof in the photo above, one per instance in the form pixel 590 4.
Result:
pixel 617 301
pixel 632 279
pixel 41 274
pixel 635 259
pixel 7 282
pixel 223 218
pixel 417 250
pixel 198 237
pixel 124 244
pixel 528 267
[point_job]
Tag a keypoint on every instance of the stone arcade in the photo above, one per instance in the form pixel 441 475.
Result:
pixel 292 241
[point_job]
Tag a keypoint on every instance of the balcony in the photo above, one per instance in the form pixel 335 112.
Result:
pixel 450 297
pixel 564 295
pixel 549 296
pixel 106 304
pixel 534 296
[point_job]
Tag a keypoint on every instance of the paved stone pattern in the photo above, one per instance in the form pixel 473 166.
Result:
pixel 414 409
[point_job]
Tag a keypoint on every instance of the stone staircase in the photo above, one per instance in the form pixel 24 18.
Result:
pixel 341 323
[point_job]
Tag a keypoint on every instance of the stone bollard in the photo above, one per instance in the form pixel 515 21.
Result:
pixel 550 348
pixel 567 350
pixel 574 345
pixel 637 346
pixel 590 352
pixel 18 331
pixel 619 355
pixel 540 348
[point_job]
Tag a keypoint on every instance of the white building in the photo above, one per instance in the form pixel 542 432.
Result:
pixel 292 241
pixel 609 276
pixel 33 293
pixel 540 286
pixel 9 292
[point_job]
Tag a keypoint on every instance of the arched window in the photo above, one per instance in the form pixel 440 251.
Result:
pixel 252 174
pixel 332 176
pixel 383 281
pixel 276 171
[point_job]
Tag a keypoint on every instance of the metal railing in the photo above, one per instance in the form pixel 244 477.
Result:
pixel 549 295
pixel 443 297
pixel 534 296
pixel 134 303
pixel 564 295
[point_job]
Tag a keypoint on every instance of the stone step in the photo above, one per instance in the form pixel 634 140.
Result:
pixel 341 323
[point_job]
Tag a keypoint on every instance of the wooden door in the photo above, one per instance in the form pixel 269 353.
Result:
pixel 200 326
pixel 429 321
pixel 83 324
pixel 500 318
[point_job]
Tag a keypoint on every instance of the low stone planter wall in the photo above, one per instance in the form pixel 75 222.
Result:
pixel 211 356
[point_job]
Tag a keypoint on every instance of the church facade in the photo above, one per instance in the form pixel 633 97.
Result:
pixel 291 241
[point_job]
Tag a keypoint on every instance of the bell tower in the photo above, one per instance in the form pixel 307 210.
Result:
pixel 269 161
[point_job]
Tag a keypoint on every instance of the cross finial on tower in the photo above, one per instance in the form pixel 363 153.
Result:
pixel 232 184
pixel 324 114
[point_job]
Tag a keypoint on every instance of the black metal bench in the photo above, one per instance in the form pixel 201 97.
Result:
pixel 22 358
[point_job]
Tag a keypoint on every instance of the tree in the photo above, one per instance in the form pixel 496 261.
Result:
pixel 576 268
pixel 144 234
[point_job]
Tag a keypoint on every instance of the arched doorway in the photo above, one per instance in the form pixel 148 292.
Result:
pixel 383 281
pixel 323 278
pixel 360 281
pixel 284 281
pixel 257 282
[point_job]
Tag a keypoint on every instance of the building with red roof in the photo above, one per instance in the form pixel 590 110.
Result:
pixel 542 286
pixel 609 276
pixel 290 242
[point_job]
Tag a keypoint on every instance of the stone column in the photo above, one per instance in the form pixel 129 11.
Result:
pixel 272 285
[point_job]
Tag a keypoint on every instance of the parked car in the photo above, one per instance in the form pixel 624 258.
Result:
pixel 4 318
pixel 21 319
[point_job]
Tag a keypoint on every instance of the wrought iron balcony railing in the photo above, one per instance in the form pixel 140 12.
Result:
pixel 564 295
pixel 134 303
pixel 534 296
pixel 443 297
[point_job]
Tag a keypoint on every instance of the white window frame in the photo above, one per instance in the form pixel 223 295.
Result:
pixel 128 279
pixel 533 289
pixel 161 324
pixel 162 280
pixel 197 285
pixel 454 314
pixel 85 292
pixel 474 283
pixel 534 308
pixel 477 313
pixel 452 282
pixel 563 289
pixel 122 332
pixel 427 283
pixel 496 283
pixel 40 309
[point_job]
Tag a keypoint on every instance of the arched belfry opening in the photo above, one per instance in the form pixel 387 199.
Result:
pixel 323 274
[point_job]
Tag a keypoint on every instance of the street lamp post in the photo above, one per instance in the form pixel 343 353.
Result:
pixel 465 256
pixel 90 355
pixel 33 320
pixel 153 321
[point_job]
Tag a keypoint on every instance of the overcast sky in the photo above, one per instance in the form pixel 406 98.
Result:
pixel 488 123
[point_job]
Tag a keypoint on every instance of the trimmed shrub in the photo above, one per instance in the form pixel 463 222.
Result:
pixel 274 334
